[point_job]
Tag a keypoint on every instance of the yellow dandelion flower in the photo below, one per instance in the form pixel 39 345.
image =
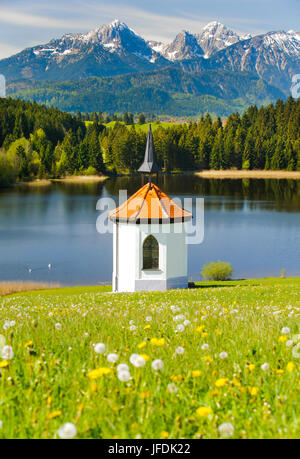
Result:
pixel 54 414
pixel 218 332
pixel 282 339
pixel 279 372
pixel 251 367
pixel 147 327
pixel 145 357
pixel 236 382
pixel 200 329
pixel 207 358
pixel 4 364
pixel 141 345
pixel 134 426
pixel 176 378
pixel 94 374
pixel 204 335
pixel 221 382
pixel 203 411
pixel 253 391
pixel 290 366
pixel 28 344
pixel 196 373
pixel 164 434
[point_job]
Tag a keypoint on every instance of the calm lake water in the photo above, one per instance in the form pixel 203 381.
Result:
pixel 253 224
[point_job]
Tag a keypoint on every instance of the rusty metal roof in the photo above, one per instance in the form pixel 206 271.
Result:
pixel 149 205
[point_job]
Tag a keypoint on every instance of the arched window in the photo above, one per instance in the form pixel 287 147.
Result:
pixel 150 253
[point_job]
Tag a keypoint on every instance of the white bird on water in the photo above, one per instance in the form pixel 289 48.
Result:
pixel 49 266
pixel 30 270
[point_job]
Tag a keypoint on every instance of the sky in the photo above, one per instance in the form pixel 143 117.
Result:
pixel 26 23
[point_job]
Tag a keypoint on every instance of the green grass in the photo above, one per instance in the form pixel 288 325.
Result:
pixel 139 127
pixel 46 383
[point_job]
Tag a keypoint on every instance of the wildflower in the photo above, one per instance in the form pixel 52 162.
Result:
pixel 205 347
pixel 282 339
pixel 218 332
pixel 123 367
pixel 54 414
pixel 204 335
pixel 145 357
pixel 112 358
pixel 279 372
pixel 58 326
pixel 253 391
pixel 265 367
pixel 132 328
pixel 289 343
pixel 1 424
pixel 148 319
pixel 147 327
pixel 139 362
pixel 208 359
pixel 28 344
pixel 67 431
pixel 4 364
pixel 124 375
pixel 251 367
pixel 203 411
pixel 180 328
pixel 7 353
pixel 179 350
pixel 196 373
pixel 221 382
pixel 290 366
pixel 285 330
pixel 94 374
pixel 199 329
pixel 164 434
pixel 172 388
pixel 133 358
pixel 141 345
pixel 6 325
pixel 226 429
pixel 99 348
pixel 186 323
pixel 157 364
pixel 223 355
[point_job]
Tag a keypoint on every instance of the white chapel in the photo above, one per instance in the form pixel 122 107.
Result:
pixel 149 237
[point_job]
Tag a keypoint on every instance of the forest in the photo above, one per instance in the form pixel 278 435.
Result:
pixel 40 142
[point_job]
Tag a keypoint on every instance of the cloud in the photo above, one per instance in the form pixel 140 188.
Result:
pixel 19 18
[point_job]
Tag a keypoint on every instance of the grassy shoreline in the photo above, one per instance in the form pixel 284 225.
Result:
pixel 254 174
pixel 69 179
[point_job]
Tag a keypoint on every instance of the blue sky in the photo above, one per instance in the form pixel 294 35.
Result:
pixel 25 23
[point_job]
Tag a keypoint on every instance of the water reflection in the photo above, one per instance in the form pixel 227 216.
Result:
pixel 254 224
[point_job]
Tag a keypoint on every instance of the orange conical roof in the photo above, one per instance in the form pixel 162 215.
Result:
pixel 149 205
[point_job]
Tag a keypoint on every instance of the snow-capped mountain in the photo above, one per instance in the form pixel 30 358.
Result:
pixel 274 57
pixel 185 46
pixel 115 49
pixel 216 36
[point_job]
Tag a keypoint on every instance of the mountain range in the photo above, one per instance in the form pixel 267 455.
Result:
pixel 115 49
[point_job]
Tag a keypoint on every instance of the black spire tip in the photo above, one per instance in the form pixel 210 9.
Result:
pixel 149 165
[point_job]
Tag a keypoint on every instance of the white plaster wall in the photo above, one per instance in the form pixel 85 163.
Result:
pixel 125 247
pixel 128 255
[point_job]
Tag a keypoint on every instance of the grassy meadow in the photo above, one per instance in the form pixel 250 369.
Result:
pixel 216 361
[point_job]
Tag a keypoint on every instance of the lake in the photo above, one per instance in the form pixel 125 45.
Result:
pixel 253 224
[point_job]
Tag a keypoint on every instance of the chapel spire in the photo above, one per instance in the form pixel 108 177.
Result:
pixel 149 165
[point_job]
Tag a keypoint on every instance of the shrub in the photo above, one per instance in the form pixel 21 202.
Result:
pixel 219 271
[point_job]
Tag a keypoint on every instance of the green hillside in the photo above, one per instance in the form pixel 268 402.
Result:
pixel 168 91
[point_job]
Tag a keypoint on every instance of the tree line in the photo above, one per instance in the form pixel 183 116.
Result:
pixel 40 142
